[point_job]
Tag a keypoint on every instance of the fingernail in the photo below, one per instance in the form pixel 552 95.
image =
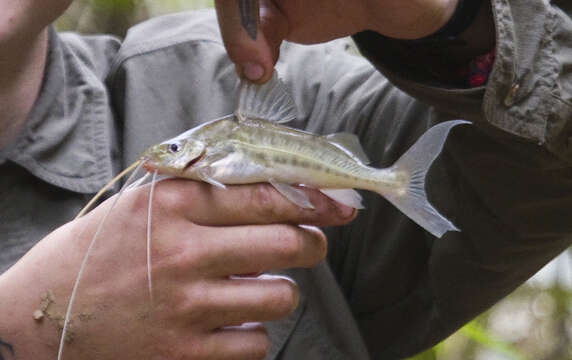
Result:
pixel 252 71
pixel 345 212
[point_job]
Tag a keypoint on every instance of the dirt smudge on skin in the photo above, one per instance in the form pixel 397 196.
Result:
pixel 47 312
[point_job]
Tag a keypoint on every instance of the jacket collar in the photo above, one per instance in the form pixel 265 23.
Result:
pixel 68 137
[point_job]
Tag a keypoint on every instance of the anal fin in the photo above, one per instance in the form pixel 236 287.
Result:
pixel 348 197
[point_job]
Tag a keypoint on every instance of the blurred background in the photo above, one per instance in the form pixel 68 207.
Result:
pixel 533 323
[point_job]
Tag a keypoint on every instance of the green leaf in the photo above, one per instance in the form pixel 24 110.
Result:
pixel 430 354
pixel 477 333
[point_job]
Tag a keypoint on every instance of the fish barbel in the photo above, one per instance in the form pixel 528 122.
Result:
pixel 252 146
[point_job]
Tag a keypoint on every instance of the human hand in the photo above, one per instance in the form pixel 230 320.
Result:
pixel 201 235
pixel 322 20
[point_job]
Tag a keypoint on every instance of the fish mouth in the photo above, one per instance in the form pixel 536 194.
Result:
pixel 149 165
pixel 194 161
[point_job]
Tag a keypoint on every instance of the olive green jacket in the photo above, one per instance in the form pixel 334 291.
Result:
pixel 389 289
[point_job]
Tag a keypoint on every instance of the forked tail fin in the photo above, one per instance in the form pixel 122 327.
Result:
pixel 415 163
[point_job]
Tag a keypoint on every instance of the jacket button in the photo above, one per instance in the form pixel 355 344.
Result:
pixel 510 98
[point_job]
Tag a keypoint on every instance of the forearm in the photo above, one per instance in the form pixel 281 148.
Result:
pixel 21 25
pixel 19 338
pixel 430 60
pixel 22 20
pixel 527 93
pixel 23 44
pixel 408 19
pixel 28 321
pixel 21 73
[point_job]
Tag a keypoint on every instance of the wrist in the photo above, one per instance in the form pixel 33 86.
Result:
pixel 409 20
pixel 466 11
pixel 20 335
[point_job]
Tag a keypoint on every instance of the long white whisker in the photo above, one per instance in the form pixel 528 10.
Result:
pixel 84 262
pixel 149 212
pixel 138 182
pixel 165 177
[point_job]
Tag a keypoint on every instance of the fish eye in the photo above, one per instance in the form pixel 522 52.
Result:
pixel 174 147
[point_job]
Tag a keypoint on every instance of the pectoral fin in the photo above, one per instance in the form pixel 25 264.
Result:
pixel 204 176
pixel 348 197
pixel 294 194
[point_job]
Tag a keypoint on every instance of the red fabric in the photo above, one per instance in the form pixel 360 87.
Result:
pixel 477 72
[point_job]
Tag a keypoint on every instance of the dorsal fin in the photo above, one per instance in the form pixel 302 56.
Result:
pixel 350 144
pixel 270 101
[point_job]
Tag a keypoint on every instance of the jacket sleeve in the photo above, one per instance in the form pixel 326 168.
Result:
pixel 506 182
pixel 528 94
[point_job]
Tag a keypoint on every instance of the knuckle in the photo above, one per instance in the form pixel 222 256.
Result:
pixel 284 299
pixel 139 204
pixel 176 195
pixel 261 344
pixel 198 351
pixel 194 254
pixel 263 201
pixel 173 253
pixel 166 197
pixel 319 246
pixel 195 304
pixel 234 47
pixel 289 243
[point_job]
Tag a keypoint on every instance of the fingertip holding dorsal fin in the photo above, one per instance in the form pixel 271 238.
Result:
pixel 415 163
pixel 269 101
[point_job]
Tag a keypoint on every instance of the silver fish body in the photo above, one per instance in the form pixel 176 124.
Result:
pixel 255 150
pixel 252 146
pixel 235 150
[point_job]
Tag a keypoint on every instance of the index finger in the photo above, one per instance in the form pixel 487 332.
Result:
pixel 254 59
pixel 252 204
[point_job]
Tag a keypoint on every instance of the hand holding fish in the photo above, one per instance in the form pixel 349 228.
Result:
pixel 232 228
pixel 201 236
pixel 318 21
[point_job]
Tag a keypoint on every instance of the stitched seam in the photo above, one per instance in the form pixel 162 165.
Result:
pixel 147 48
pixel 548 85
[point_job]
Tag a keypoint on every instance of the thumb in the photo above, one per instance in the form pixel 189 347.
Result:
pixel 254 59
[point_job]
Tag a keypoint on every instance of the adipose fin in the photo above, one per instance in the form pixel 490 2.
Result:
pixel 350 144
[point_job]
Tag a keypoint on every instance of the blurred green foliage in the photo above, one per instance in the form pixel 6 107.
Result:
pixel 532 323
pixel 116 16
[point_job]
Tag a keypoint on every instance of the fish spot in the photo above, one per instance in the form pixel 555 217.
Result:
pixel 279 159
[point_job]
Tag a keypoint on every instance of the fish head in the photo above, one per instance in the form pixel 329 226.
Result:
pixel 173 156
